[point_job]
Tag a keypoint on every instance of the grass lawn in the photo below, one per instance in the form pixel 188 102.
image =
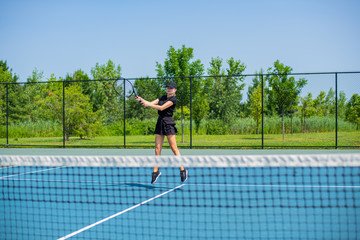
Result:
pixel 299 139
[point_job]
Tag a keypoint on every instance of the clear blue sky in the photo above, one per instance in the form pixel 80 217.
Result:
pixel 62 36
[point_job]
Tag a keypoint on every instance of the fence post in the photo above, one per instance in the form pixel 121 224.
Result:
pixel 336 112
pixel 124 116
pixel 190 112
pixel 262 111
pixel 7 115
pixel 64 125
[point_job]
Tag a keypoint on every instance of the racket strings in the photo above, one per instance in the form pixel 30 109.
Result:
pixel 124 88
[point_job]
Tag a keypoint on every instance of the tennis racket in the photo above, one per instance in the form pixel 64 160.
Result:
pixel 124 88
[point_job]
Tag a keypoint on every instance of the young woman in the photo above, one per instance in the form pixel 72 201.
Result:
pixel 165 126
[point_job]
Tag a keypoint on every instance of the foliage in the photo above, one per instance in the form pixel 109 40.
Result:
pixel 224 89
pixel 136 127
pixel 307 110
pixel 92 108
pixel 341 105
pixel 6 76
pixel 102 94
pixel 200 108
pixel 255 106
pixel 79 118
pixel 353 110
pixel 147 88
pixel 283 91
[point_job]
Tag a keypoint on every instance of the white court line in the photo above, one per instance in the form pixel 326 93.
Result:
pixel 117 214
pixel 45 170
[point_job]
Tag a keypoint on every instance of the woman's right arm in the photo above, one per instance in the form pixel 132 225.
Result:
pixel 140 99
pixel 156 102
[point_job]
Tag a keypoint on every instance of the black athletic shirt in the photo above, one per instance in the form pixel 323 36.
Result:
pixel 170 110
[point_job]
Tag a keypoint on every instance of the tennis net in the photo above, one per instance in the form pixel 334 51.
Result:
pixel 226 197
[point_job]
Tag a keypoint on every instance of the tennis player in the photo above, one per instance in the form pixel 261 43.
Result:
pixel 165 126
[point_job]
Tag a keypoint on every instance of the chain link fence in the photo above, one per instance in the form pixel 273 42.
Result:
pixel 298 110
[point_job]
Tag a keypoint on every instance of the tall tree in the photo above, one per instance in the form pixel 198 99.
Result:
pixel 341 105
pixel 294 99
pixel 255 107
pixel 103 96
pixel 31 90
pixel 320 104
pixel 330 102
pixel 200 108
pixel 213 87
pixel 285 89
pixel 80 78
pixel 179 64
pixel 306 110
pixel 353 110
pixel 148 89
pixel 80 120
pixel 225 89
pixel 16 112
pixel 256 82
pixel 6 74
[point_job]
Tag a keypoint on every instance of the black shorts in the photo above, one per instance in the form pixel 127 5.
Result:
pixel 165 126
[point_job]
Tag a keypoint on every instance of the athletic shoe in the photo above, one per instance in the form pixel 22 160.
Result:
pixel 155 176
pixel 183 175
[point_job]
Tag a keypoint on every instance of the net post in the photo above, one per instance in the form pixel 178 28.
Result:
pixel 336 112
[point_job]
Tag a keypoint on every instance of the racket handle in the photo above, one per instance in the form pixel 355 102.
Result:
pixel 136 97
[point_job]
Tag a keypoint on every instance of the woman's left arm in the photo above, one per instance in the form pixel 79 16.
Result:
pixel 158 107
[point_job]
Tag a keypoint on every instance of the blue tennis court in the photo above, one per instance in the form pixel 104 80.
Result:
pixel 93 198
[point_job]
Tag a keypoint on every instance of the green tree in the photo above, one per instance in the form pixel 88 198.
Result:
pixel 212 86
pixel 256 82
pixel 225 88
pixel 284 90
pixel 147 88
pixel 200 109
pixel 103 96
pixel 178 67
pixel 17 103
pixel 341 105
pixel 320 104
pixel 306 110
pixel 353 110
pixel 31 90
pixel 255 107
pixel 106 71
pixel 330 103
pixel 36 76
pixel 294 99
pixel 80 120
pixel 15 92
pixel 80 78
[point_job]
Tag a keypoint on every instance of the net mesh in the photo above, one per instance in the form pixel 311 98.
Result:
pixel 225 197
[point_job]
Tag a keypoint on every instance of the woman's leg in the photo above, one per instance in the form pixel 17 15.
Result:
pixel 174 148
pixel 159 140
pixel 173 145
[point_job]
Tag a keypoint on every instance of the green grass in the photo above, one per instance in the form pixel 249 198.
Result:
pixel 251 140
pixel 135 127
